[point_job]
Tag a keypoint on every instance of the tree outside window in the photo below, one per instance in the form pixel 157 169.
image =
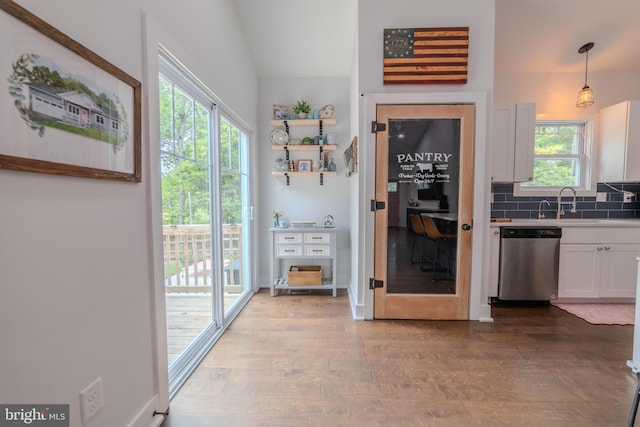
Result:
pixel 560 156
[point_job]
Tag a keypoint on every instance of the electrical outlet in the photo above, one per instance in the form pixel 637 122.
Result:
pixel 629 196
pixel 91 400
pixel 601 197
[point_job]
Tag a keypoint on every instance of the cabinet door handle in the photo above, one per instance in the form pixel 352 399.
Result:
pixel 607 248
pixel 317 238
pixel 289 250
pixel 599 248
pixel 288 238
pixel 317 250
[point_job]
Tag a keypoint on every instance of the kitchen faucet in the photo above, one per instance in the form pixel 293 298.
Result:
pixel 573 204
pixel 540 214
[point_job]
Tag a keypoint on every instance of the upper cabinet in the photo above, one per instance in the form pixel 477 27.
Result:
pixel 619 147
pixel 513 142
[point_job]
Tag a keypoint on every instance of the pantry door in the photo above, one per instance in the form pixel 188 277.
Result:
pixel 424 156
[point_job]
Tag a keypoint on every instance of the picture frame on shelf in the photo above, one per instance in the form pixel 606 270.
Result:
pixel 78 115
pixel 305 165
pixel 280 112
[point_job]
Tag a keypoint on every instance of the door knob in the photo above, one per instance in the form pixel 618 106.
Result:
pixel 466 227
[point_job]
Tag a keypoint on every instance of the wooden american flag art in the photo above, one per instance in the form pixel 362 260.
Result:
pixel 426 56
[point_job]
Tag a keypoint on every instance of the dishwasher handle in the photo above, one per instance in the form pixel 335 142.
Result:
pixel 531 232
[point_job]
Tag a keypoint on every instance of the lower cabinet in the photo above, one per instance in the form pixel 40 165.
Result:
pixel 598 270
pixel 303 247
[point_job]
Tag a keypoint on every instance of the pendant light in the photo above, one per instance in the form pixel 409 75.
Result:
pixel 585 97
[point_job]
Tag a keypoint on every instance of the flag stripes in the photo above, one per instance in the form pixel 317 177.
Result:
pixel 426 55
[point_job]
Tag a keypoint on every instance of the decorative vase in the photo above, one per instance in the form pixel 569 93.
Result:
pixel 276 223
pixel 302 115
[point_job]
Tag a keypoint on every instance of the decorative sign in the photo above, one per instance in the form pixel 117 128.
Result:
pixel 429 168
pixel 426 55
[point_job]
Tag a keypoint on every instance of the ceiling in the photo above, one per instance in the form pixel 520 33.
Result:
pixel 297 38
pixel 300 38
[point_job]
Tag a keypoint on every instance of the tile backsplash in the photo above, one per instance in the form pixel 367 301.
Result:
pixel 505 205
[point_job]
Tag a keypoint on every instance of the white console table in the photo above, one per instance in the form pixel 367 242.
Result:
pixel 302 245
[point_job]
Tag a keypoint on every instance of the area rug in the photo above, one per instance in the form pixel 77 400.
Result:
pixel 601 314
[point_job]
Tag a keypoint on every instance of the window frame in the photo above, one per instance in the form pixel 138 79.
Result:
pixel 587 186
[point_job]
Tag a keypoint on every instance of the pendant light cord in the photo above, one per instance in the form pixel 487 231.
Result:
pixel 586 68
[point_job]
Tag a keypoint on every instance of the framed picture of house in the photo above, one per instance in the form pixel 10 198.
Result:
pixel 280 112
pixel 63 109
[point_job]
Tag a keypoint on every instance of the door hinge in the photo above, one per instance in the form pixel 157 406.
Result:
pixel 373 283
pixel 376 205
pixel 378 127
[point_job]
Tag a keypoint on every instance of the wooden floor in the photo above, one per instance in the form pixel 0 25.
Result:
pixel 187 316
pixel 302 361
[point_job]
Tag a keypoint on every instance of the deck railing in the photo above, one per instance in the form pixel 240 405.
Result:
pixel 187 258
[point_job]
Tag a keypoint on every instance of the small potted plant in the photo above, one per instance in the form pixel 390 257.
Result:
pixel 301 108
pixel 276 217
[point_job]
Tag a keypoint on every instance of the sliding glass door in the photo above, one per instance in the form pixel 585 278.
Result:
pixel 234 211
pixel 206 212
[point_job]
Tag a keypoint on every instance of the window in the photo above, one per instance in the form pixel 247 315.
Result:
pixel 562 157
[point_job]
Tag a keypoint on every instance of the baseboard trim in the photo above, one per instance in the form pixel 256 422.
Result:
pixel 146 417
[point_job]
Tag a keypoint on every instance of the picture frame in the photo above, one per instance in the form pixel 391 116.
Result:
pixel 64 109
pixel 305 165
pixel 280 112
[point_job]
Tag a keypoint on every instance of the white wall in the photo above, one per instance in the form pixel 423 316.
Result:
pixel 304 198
pixel 75 258
pixel 373 17
pixel 555 94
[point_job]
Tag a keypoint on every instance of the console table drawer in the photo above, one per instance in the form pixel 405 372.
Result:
pixel 285 251
pixel 288 237
pixel 324 238
pixel 312 251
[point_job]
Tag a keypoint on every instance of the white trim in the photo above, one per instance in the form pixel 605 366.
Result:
pixel 357 311
pixel 478 296
pixel 145 417
pixel 154 201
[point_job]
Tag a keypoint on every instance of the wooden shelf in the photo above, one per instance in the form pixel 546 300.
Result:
pixel 281 283
pixel 325 147
pixel 303 173
pixel 305 122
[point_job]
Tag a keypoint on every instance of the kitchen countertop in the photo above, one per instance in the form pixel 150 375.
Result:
pixel 568 222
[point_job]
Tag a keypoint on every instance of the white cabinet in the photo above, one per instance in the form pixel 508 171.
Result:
pixel 598 270
pixel 303 247
pixel 618 270
pixel 619 146
pixel 513 142
pixel 579 274
pixel 598 263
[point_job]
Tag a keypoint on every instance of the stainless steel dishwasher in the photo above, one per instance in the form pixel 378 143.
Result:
pixel 529 259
